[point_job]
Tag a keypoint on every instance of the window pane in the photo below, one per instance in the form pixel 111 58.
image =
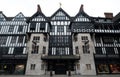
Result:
pixel 3 40
pixel 75 37
pixel 32 26
pixel 84 37
pixel 60 28
pixel 86 49
pixel 13 40
pixel 77 50
pixel 19 69
pixel 110 50
pixel 118 50
pixel 18 50
pixel 98 50
pixel 0 27
pixel 97 39
pixel 44 49
pixel 32 67
pixel 4 50
pixel 115 68
pixel 36 38
pixel 107 39
pixel 102 68
pixel 35 49
pixel 42 26
pixel 20 39
pixel 20 28
pixel 11 28
pixel 88 66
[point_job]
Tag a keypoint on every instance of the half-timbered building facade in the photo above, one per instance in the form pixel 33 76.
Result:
pixel 60 44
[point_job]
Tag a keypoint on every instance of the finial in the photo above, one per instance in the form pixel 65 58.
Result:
pixel 81 7
pixel 38 8
pixel 60 4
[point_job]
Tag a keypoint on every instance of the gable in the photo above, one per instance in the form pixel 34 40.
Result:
pixel 39 18
pixel 60 14
pixel 19 17
pixel 2 17
pixel 82 18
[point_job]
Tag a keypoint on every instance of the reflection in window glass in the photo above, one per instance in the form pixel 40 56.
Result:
pixel 97 39
pixel 115 68
pixel 20 28
pixel 77 50
pixel 110 50
pixel 0 27
pixel 11 28
pixel 19 69
pixel 18 50
pixel 32 26
pixel 32 67
pixel 84 38
pixel 20 39
pixel 60 28
pixel 13 39
pixel 36 38
pixel 98 50
pixel 102 68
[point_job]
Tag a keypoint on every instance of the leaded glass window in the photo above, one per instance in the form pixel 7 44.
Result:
pixel 20 28
pixel 18 50
pixel 32 26
pixel 42 26
pixel 11 28
pixel 13 40
pixel 20 39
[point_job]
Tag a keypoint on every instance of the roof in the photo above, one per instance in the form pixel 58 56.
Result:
pixel 82 12
pixel 116 18
pixel 39 12
pixel 60 9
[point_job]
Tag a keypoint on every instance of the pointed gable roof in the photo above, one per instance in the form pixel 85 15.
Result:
pixel 61 14
pixel 38 8
pixel 38 15
pixel 2 16
pixel 82 14
pixel 81 8
pixel 19 17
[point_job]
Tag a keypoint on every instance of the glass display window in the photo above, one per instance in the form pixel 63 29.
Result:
pixel 19 69
pixel 102 68
pixel 115 68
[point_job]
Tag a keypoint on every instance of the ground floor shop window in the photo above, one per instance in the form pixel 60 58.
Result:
pixel 102 68
pixel 6 68
pixel 19 69
pixel 115 68
pixel 11 69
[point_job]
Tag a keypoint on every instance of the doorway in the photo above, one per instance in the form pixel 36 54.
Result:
pixel 60 69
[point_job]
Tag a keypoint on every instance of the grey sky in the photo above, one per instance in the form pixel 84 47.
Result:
pixel 28 7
